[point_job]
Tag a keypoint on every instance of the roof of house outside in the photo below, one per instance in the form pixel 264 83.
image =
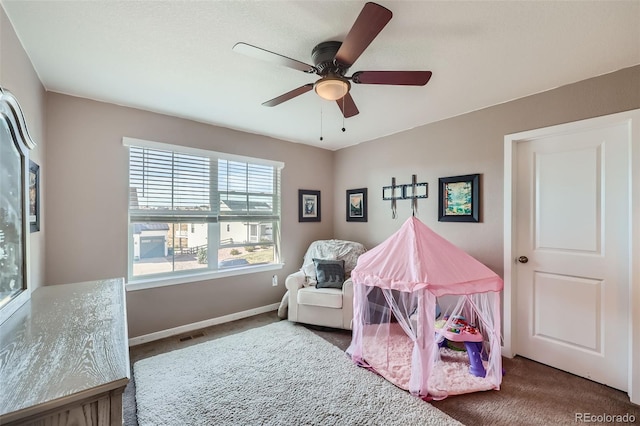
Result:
pixel 233 206
pixel 139 227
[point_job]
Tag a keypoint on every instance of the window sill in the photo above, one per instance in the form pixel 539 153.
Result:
pixel 147 283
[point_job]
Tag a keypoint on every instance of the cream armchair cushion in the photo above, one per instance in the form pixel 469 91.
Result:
pixel 329 307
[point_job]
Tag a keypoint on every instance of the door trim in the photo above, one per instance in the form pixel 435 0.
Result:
pixel 632 120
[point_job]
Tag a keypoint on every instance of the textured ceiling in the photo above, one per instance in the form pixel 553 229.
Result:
pixel 175 57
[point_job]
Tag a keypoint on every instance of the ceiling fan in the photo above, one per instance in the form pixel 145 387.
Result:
pixel 332 60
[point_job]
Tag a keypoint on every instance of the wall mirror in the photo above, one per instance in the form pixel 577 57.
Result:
pixel 15 144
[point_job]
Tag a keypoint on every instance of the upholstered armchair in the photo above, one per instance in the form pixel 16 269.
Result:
pixel 321 292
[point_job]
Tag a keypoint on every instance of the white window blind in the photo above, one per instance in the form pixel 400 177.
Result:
pixel 248 191
pixel 166 184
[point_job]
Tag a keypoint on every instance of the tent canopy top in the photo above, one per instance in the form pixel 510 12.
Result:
pixel 416 257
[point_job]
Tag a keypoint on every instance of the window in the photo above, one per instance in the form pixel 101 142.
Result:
pixel 195 211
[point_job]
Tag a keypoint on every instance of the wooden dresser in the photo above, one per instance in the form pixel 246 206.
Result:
pixel 64 357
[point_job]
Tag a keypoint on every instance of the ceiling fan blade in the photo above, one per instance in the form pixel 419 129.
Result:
pixel 347 106
pixel 368 24
pixel 265 55
pixel 396 78
pixel 289 95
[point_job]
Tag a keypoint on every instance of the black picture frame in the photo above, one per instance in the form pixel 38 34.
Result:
pixel 309 205
pixel 34 196
pixel 357 205
pixel 459 198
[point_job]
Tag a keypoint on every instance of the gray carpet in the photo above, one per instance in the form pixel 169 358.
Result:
pixel 278 374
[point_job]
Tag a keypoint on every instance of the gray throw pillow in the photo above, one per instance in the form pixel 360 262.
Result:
pixel 329 273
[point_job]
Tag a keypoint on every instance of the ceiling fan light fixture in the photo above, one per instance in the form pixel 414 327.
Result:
pixel 332 88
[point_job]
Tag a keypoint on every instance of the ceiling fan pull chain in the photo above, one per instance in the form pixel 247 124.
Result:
pixel 321 138
pixel 343 128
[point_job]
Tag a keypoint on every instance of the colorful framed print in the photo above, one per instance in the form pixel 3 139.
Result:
pixel 34 196
pixel 459 198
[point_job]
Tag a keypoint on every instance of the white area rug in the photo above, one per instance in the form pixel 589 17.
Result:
pixel 279 374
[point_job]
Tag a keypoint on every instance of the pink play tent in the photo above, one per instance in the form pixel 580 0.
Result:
pixel 400 287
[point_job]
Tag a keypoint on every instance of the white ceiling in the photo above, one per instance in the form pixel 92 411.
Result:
pixel 175 57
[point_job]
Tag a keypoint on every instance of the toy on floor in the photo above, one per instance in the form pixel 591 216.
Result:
pixel 460 330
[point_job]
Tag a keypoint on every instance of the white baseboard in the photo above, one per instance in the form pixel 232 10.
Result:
pixel 138 340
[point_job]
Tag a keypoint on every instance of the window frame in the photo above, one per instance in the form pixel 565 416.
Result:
pixel 210 272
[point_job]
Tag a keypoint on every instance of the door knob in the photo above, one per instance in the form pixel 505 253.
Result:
pixel 523 259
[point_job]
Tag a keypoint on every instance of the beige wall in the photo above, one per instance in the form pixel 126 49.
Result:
pixel 18 76
pixel 87 190
pixel 470 143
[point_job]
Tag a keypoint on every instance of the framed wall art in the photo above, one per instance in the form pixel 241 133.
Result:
pixel 357 205
pixel 34 196
pixel 308 205
pixel 459 198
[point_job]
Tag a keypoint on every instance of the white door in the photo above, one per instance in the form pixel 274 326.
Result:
pixel 572 226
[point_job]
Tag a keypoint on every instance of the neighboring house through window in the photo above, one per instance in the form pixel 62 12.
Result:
pixel 194 211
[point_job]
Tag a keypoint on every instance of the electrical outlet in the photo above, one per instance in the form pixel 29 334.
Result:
pixel 274 280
